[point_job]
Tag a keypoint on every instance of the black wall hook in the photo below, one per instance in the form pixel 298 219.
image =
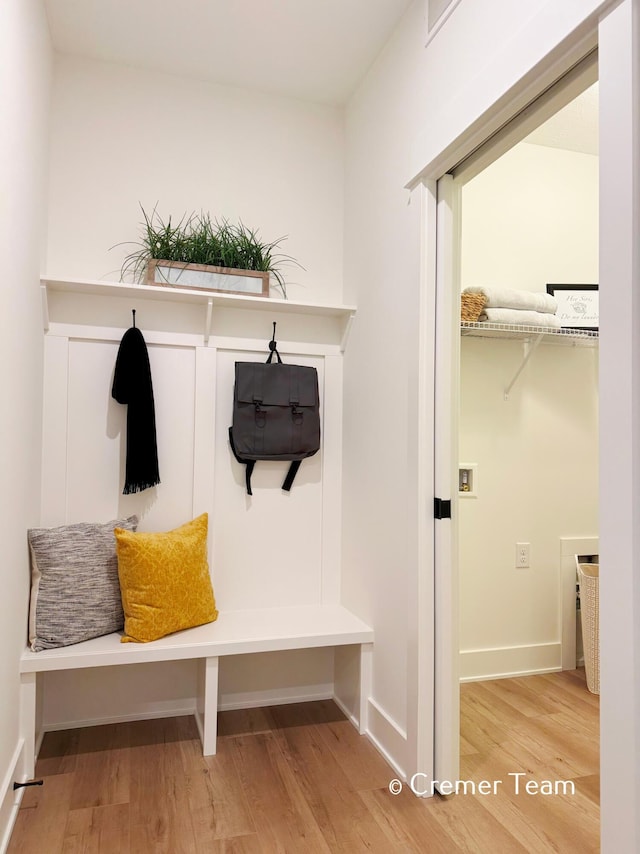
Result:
pixel 273 347
pixel 28 783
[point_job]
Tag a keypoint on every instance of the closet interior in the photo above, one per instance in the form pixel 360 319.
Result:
pixel 528 418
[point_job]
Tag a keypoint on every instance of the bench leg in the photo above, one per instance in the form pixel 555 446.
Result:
pixel 366 687
pixel 29 722
pixel 207 704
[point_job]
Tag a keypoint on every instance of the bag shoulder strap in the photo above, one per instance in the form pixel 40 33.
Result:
pixel 291 474
pixel 249 464
pixel 247 475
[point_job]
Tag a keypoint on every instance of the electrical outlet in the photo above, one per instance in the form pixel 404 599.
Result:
pixel 522 555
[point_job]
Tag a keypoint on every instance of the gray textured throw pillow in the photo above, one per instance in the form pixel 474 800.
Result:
pixel 75 592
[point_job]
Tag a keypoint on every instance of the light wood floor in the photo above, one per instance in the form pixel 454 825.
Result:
pixel 300 779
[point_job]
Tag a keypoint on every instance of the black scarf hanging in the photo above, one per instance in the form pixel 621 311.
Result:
pixel 132 386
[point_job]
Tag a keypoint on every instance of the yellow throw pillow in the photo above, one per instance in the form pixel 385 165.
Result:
pixel 164 580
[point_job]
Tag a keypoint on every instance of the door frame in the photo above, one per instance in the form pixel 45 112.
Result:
pixel 616 30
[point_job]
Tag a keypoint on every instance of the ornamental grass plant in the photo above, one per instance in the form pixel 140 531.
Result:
pixel 199 239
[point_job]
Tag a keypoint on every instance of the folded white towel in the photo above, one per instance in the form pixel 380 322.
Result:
pixel 508 298
pixel 518 317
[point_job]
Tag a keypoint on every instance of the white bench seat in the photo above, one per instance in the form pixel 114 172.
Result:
pixel 233 633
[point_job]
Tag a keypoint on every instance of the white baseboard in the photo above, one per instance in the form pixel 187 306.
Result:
pixel 346 711
pixel 10 799
pixel 169 711
pixel 511 661
pixel 276 697
pixel 388 738
pixel 251 700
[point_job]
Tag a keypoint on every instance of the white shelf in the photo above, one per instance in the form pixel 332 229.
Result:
pixel 234 632
pixel 520 332
pixel 210 300
pixel 128 290
pixel 531 336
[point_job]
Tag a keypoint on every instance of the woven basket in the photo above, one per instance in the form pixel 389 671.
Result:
pixel 471 306
pixel 589 581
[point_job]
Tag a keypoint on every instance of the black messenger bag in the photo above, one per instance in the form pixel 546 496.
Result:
pixel 276 414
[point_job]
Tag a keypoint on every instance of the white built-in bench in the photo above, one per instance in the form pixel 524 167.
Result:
pixel 233 633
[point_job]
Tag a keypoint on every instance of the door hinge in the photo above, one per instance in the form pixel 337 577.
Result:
pixel 442 508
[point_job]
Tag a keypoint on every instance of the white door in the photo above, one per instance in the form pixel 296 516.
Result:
pixel 447 349
pixel 434 706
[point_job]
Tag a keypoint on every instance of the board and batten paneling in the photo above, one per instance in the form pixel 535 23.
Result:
pixel 269 544
pixel 271 549
pixel 97 437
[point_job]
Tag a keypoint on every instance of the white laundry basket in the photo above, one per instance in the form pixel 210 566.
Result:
pixel 589 579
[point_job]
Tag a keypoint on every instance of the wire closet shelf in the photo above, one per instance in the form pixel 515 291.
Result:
pixel 484 329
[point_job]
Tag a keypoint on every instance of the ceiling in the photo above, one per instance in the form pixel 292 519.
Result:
pixel 574 128
pixel 316 50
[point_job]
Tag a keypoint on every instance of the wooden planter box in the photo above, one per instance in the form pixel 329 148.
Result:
pixel 201 277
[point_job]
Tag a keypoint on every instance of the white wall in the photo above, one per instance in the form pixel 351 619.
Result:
pixel 531 218
pixel 479 70
pixel 382 243
pixel 619 77
pixel 537 459
pixel 24 95
pixel 528 219
pixel 123 137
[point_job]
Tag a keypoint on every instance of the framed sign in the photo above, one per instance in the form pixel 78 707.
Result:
pixel 578 306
